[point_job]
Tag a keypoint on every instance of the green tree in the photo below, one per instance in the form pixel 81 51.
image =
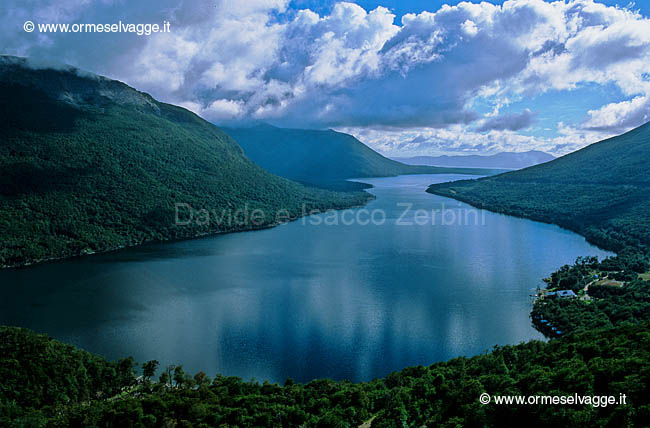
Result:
pixel 149 369
pixel 179 376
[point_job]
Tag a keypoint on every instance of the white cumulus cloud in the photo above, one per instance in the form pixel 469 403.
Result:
pixel 417 82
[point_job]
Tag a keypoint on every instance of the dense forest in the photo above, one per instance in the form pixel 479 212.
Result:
pixel 90 164
pixel 47 383
pixel 325 158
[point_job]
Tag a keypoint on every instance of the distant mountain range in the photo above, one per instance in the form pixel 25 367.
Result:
pixel 508 160
pixel 90 164
pixel 323 158
pixel 601 191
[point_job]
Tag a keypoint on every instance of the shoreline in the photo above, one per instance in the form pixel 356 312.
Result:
pixel 455 196
pixel 201 235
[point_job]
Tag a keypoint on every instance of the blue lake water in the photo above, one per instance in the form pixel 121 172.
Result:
pixel 331 295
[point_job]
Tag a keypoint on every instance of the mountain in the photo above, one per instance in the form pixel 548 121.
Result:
pixel 90 164
pixel 323 158
pixel 601 191
pixel 508 160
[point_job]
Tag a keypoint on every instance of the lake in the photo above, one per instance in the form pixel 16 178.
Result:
pixel 410 279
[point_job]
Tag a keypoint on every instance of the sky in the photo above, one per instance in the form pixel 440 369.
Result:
pixel 408 78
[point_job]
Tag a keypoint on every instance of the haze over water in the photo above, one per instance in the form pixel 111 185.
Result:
pixel 303 300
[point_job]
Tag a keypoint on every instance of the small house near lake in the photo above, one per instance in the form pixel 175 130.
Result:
pixel 562 293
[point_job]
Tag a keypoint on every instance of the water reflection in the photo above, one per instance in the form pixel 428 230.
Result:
pixel 304 301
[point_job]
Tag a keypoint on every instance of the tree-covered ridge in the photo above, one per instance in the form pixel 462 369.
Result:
pixel 324 158
pixel 601 192
pixel 38 372
pixel 47 383
pixel 90 164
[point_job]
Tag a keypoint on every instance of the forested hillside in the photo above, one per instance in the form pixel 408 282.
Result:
pixel 46 383
pixel 324 158
pixel 90 164
pixel 601 191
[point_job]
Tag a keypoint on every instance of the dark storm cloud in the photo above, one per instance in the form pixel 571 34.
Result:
pixel 510 122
